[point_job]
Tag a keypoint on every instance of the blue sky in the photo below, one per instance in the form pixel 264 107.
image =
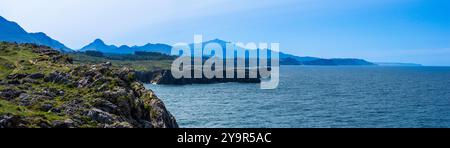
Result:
pixel 415 31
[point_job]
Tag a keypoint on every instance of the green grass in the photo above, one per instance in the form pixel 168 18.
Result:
pixel 9 108
pixel 6 67
pixel 24 61
pixel 18 56
pixel 20 59
pixel 138 65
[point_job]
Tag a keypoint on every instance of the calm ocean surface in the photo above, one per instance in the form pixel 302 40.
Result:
pixel 319 97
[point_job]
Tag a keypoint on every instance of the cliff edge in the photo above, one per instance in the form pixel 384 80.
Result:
pixel 41 88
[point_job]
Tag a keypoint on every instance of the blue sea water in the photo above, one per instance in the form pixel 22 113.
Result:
pixel 319 97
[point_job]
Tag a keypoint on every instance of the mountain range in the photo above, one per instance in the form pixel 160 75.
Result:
pixel 285 59
pixel 13 32
pixel 99 45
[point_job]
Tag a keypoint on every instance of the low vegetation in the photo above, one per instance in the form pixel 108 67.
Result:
pixel 142 61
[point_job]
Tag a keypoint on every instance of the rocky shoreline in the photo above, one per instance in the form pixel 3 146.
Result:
pixel 164 77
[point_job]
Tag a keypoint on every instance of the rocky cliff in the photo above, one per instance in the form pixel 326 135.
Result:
pixel 41 88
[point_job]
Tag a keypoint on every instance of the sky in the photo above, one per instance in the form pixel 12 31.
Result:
pixel 410 31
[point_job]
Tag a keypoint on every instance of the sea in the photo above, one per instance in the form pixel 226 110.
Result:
pixel 318 97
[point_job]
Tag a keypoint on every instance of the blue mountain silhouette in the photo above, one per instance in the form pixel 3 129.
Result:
pixel 99 45
pixel 12 32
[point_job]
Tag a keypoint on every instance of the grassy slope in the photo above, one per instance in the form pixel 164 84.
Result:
pixel 25 61
pixel 21 60
pixel 34 116
pixel 6 67
pixel 140 65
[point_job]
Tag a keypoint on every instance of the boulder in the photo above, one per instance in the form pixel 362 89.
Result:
pixel 11 121
pixel 119 125
pixel 105 105
pixel 46 107
pixel 68 123
pixel 100 116
pixel 17 76
pixel 10 94
pixel 36 76
pixel 57 77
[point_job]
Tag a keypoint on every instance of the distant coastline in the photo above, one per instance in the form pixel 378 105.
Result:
pixel 398 64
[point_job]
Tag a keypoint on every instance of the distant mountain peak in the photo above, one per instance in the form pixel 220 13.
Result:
pixel 124 46
pixel 96 45
pixel 98 41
